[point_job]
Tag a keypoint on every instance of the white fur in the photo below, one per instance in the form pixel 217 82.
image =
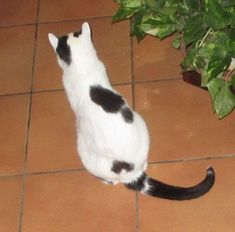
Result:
pixel 53 40
pixel 102 137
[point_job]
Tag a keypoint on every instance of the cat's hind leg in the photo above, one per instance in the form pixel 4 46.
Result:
pixel 107 181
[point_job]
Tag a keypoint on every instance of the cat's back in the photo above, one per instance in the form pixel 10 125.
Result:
pixel 110 133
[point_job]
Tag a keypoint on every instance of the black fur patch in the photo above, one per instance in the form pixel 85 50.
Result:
pixel 118 166
pixel 63 50
pixel 127 115
pixel 138 184
pixel 107 99
pixel 77 33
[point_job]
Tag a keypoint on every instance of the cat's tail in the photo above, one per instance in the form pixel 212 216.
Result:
pixel 152 187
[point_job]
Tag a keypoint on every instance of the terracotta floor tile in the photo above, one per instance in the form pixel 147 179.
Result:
pixel 53 10
pixel 181 123
pixel 10 193
pixel 116 58
pixel 155 60
pixel 18 12
pixel 77 202
pixel 13 122
pixel 126 92
pixel 16 60
pixel 212 212
pixel 52 142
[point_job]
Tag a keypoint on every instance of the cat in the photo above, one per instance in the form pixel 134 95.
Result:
pixel 113 139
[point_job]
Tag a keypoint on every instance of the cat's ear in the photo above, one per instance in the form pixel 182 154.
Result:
pixel 86 29
pixel 53 40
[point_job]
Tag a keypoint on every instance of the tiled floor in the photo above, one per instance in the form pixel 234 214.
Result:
pixel 43 185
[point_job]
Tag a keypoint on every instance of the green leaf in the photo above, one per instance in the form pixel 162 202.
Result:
pixel 228 2
pixel 182 9
pixel 176 42
pixel 216 66
pixel 129 3
pixel 194 29
pixel 160 25
pixel 215 16
pixel 127 9
pixel 193 61
pixel 188 61
pixel 222 97
pixel 213 51
pixel 214 87
pixel 232 41
pixel 224 102
pixel 233 81
pixel 160 31
pixel 135 29
pixel 154 3
pixel 192 4
pixel 124 13
pixel 216 47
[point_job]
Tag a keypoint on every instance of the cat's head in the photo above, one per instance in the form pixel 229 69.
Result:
pixel 73 46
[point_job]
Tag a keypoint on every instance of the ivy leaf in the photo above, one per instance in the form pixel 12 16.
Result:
pixel 194 29
pixel 216 47
pixel 160 25
pixel 216 66
pixel 214 87
pixel 228 2
pixel 222 97
pixel 232 39
pixel 233 81
pixel 129 3
pixel 127 9
pixel 154 3
pixel 188 61
pixel 159 30
pixel 135 29
pixel 215 15
pixel 193 61
pixel 224 102
pixel 192 4
pixel 182 9
pixel 124 13
pixel 176 42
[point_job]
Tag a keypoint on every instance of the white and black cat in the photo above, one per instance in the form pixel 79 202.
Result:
pixel 113 140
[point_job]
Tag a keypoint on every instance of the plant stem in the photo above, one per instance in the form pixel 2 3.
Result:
pixel 207 33
pixel 228 75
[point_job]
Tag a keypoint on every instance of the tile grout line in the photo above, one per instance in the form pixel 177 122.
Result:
pixel 54 171
pixel 113 84
pixel 17 25
pixel 191 159
pixel 10 175
pixel 132 73
pixel 55 21
pixel 77 19
pixel 229 156
pixel 43 172
pixel 28 123
pixel 137 228
pixel 133 107
pixel 14 94
pixel 158 80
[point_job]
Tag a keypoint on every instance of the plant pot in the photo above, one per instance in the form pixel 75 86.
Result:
pixel 193 78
